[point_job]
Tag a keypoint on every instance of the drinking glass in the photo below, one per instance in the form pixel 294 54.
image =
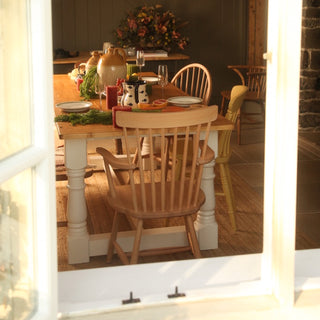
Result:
pixel 99 89
pixel 140 60
pixel 162 77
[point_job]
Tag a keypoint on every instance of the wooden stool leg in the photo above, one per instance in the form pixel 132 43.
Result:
pixel 113 236
pixel 193 237
pixel 137 240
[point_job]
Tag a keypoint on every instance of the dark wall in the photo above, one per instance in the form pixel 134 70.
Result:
pixel 217 30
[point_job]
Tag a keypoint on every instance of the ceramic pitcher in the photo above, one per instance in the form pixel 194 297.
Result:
pixel 134 92
pixel 112 66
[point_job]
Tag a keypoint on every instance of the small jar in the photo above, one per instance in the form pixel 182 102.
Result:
pixel 93 61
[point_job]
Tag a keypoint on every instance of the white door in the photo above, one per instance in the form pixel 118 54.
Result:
pixel 27 189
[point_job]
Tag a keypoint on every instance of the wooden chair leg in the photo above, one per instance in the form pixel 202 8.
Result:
pixel 193 237
pixel 136 245
pixel 113 236
pixel 228 192
pixel 118 145
pixel 122 255
pixel 223 107
pixel 238 125
pixel 263 111
pixel 228 175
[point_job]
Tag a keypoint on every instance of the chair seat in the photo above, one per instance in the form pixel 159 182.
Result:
pixel 123 202
pixel 250 96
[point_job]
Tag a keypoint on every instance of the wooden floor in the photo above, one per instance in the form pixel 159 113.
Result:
pixel 246 166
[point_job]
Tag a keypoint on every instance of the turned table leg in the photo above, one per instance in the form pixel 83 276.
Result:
pixel 78 237
pixel 206 224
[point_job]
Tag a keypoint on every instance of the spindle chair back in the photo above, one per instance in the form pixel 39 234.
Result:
pixel 195 80
pixel 153 193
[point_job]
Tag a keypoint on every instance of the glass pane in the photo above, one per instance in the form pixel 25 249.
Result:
pixel 17 271
pixel 15 129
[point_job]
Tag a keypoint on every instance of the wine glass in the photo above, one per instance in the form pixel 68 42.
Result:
pixel 99 88
pixel 140 62
pixel 162 77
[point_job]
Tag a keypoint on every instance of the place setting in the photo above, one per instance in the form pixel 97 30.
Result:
pixel 74 106
pixel 128 88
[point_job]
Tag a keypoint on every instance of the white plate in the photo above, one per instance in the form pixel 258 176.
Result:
pixel 184 101
pixel 74 106
pixel 151 80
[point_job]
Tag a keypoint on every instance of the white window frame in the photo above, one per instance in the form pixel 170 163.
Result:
pixel 268 280
pixel 213 286
pixel 40 157
pixel 41 44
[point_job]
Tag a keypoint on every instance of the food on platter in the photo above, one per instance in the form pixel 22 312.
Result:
pixel 144 105
pixel 148 106
pixel 155 105
pixel 160 103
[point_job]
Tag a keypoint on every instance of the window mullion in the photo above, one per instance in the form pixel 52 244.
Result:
pixel 18 162
pixel 281 147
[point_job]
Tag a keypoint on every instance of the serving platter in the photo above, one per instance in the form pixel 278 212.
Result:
pixel 150 80
pixel 184 101
pixel 74 106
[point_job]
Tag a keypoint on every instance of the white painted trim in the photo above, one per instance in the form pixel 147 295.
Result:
pixel 18 162
pixel 226 282
pixel 40 157
pixel 212 278
pixel 281 138
pixel 42 80
pixel 94 290
pixel 244 308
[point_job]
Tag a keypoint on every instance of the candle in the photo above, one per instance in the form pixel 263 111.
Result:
pixel 111 96
pixel 114 112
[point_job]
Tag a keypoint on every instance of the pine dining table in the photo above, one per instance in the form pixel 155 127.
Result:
pixel 82 245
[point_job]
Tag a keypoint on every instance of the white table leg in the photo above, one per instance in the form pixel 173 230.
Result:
pixel 206 224
pixel 78 237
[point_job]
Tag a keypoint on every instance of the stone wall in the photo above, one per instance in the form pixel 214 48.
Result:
pixel 310 66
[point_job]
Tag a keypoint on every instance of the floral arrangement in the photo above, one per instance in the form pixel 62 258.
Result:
pixel 151 27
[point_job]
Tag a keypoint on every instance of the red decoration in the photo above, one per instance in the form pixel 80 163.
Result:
pixel 111 96
pixel 79 81
pixel 114 111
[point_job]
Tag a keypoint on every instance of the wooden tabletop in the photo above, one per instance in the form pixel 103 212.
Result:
pixel 84 57
pixel 66 90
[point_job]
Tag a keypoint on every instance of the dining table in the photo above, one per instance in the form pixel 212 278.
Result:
pixel 82 245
